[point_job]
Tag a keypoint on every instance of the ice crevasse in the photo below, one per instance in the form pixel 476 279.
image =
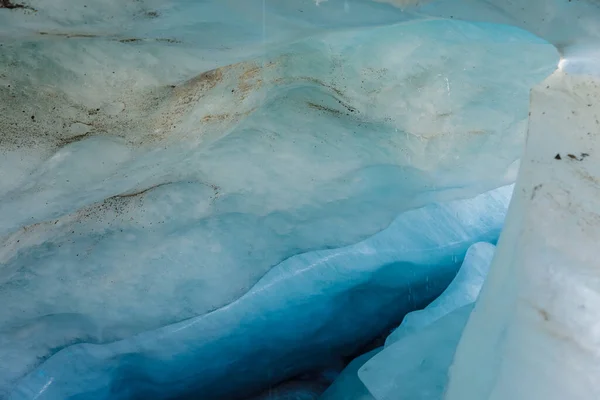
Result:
pixel 232 199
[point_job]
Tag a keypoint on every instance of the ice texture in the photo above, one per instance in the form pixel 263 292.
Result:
pixel 414 363
pixel 151 176
pixel 348 386
pixel 463 290
pixel 302 315
pixel 416 357
pixel 416 366
pixel 294 390
pixel 541 340
pixel 159 158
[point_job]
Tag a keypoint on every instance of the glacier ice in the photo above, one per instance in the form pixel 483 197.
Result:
pixel 416 357
pixel 416 366
pixel 414 363
pixel 302 315
pixel 462 291
pixel 348 386
pixel 161 160
pixel 540 341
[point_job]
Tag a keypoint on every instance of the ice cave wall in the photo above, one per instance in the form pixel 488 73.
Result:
pixel 302 315
pixel 534 333
pixel 298 126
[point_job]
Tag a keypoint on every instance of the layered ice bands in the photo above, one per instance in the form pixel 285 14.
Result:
pixel 301 316
pixel 196 197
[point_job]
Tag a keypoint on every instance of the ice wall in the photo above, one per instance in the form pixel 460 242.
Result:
pixel 541 340
pixel 462 291
pixel 170 153
pixel 348 386
pixel 416 366
pixel 414 362
pixel 304 314
pixel 159 158
pixel 534 334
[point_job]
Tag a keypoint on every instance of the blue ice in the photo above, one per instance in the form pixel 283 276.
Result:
pixel 415 360
pixel 302 315
pixel 196 196
pixel 463 290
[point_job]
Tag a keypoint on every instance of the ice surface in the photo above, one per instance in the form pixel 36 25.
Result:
pixel 348 386
pixel 462 291
pixel 385 374
pixel 302 315
pixel 158 158
pixel 146 181
pixel 414 363
pixel 294 390
pixel 541 340
pixel 308 386
pixel 423 107
pixel 416 366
